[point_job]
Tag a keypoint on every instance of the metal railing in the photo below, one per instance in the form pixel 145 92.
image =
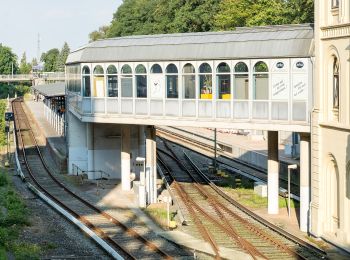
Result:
pixel 32 76
pixel 76 170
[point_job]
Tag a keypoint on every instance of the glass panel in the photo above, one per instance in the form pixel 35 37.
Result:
pixel 140 69
pixel 171 68
pixel 188 68
pixel 141 86
pixel 241 87
pixel 126 86
pixel 86 86
pixel 224 86
pixel 156 69
pixel 205 86
pixel 241 67
pixel 261 86
pixel 126 69
pixel 223 67
pixel 261 67
pixel 172 86
pixel 112 83
pixel 112 69
pixel 205 68
pixel 98 70
pixel 189 82
pixel 99 86
pixel 336 84
pixel 86 70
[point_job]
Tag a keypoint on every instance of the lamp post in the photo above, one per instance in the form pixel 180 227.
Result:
pixel 215 152
pixel 290 167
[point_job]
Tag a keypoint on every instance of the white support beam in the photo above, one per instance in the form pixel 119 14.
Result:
pixel 304 181
pixel 273 172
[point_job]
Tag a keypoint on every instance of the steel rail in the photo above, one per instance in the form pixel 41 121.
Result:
pixel 95 229
pixel 128 230
pixel 209 148
pixel 228 229
pixel 259 232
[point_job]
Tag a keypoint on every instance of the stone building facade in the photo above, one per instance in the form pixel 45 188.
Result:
pixel 330 153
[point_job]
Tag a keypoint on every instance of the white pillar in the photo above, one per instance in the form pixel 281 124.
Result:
pixel 272 172
pixel 125 158
pixel 90 148
pixel 304 181
pixel 151 163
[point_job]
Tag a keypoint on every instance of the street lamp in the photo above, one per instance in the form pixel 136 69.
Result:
pixel 290 167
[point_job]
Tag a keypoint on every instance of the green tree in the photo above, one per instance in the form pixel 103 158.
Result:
pixel 62 57
pixel 50 60
pixel 101 33
pixel 8 60
pixel 24 66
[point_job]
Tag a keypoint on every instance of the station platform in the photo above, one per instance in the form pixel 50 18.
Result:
pixel 54 142
pixel 240 141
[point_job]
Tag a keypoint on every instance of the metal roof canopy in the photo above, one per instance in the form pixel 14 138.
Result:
pixel 246 42
pixel 51 90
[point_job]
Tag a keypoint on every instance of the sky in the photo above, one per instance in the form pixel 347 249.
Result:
pixel 56 21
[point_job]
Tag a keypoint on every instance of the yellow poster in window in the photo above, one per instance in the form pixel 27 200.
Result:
pixel 99 87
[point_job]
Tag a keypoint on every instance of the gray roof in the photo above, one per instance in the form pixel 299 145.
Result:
pixel 51 90
pixel 247 42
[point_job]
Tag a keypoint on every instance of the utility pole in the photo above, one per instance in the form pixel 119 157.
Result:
pixel 215 162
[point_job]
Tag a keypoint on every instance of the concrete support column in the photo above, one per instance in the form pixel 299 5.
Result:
pixel 151 164
pixel 125 158
pixel 90 148
pixel 304 181
pixel 272 172
pixel 142 142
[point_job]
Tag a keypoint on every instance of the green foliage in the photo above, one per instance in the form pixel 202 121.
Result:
pixel 25 251
pixel 135 17
pixel 62 57
pixel 50 60
pixel 12 89
pixel 24 66
pixel 7 59
pixel 2 125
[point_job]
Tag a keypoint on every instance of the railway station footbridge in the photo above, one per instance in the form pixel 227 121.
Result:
pixel 250 78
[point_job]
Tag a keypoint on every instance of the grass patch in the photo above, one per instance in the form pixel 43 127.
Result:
pixel 159 215
pixel 242 189
pixel 13 217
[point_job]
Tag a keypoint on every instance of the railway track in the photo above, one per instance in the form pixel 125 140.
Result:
pixel 124 240
pixel 232 165
pixel 220 220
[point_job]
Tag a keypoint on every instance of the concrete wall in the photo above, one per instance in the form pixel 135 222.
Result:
pixel 77 146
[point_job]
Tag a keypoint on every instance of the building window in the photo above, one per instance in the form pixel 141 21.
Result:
pixel 241 81
pixel 223 79
pixel 99 81
pixel 335 3
pixel 156 68
pixel 126 81
pixel 261 81
pixel 189 81
pixel 86 82
pixel 171 81
pixel 141 81
pixel 335 84
pixel 112 81
pixel 205 81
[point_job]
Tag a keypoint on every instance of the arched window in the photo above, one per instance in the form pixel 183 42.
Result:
pixel 335 83
pixel 141 81
pixel 126 81
pixel 223 79
pixel 99 81
pixel 241 81
pixel 189 81
pixel 171 81
pixel 86 82
pixel 205 81
pixel 112 81
pixel 156 68
pixel 335 3
pixel 261 81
